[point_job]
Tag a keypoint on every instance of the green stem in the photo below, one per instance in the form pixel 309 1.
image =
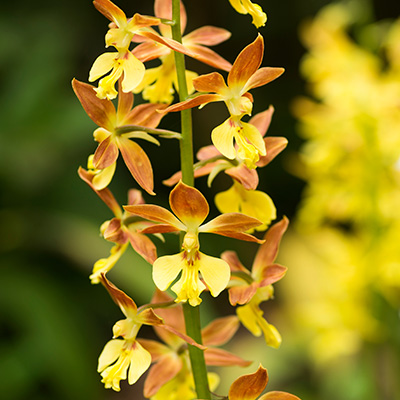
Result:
pixel 192 314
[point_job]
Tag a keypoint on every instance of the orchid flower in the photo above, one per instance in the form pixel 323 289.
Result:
pixel 112 141
pixel 244 75
pixel 172 357
pixel 157 84
pixel 190 206
pixel 123 63
pixel 249 289
pixel 126 356
pixel 247 7
pixel 121 230
pixel 212 162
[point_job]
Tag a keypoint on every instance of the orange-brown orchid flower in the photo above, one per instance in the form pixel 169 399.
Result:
pixel 191 209
pixel 112 140
pixel 126 356
pixel 249 387
pixel 249 289
pixel 212 162
pixel 157 84
pixel 245 75
pixel 121 230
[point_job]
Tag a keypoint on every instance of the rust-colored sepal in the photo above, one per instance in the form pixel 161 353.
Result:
pixel 249 387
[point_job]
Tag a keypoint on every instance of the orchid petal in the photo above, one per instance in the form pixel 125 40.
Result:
pixel 235 222
pixel 208 36
pixel 166 269
pixel 145 115
pixel 220 331
pixel 101 111
pixel 137 162
pixel 133 72
pixel 155 213
pixel 219 357
pixel 103 64
pixel 262 120
pixel 139 363
pixel 215 272
pixel 143 246
pixel 274 145
pixel 232 259
pixel 213 82
pixel 263 76
pixel 242 294
pixel 166 368
pixel 277 395
pixel 249 387
pixel 148 51
pixel 246 63
pixel 110 353
pixel 248 178
pixel 267 253
pixel 222 137
pixel 189 205
pixel 194 102
pixel 210 57
pixel 106 153
pixel 110 11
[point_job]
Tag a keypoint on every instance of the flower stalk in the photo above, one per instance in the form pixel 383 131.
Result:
pixel 191 314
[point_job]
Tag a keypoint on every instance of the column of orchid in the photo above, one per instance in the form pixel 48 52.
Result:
pixel 178 366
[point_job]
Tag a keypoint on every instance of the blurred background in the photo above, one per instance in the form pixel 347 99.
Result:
pixel 338 181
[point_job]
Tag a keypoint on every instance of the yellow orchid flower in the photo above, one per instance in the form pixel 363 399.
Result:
pixel 254 203
pixel 126 357
pixel 249 289
pixel 247 7
pixel 249 387
pixel 112 141
pixel 190 206
pixel 244 75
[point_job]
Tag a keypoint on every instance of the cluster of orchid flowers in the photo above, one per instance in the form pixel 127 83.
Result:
pixel 238 149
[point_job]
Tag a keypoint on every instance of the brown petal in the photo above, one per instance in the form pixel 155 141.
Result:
pixel 120 298
pixel 159 228
pixel 125 101
pixel 208 35
pixel 172 44
pixel 163 9
pixel 194 102
pixel 210 57
pixel 155 213
pixel 238 235
pixel 135 197
pixel 188 204
pixel 248 178
pixel 156 349
pixel 263 76
pixel 207 152
pixel 166 368
pixel 145 115
pixel 105 154
pixel 274 145
pixel 148 51
pixel 272 273
pixel 109 10
pixel 235 222
pixel 137 162
pixel 114 233
pixel 275 395
pixel 143 246
pixel 242 294
pixel 104 194
pixel 267 253
pixel 232 259
pixel 213 82
pixel 249 387
pixel 102 112
pixel 145 20
pixel 219 357
pixel 220 331
pixel 262 120
pixel 247 63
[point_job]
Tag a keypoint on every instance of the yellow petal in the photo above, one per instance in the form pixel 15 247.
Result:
pixel 110 353
pixel 133 72
pixel 103 64
pixel 247 7
pixel 103 177
pixel 215 272
pixel 222 137
pixel 140 362
pixel 166 269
